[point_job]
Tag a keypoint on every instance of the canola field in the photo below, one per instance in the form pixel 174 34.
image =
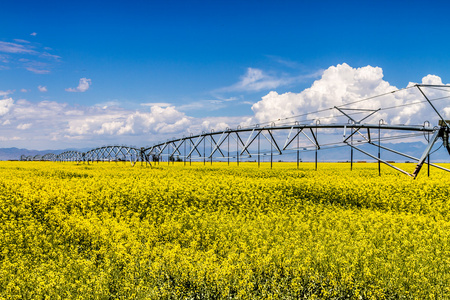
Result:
pixel 109 230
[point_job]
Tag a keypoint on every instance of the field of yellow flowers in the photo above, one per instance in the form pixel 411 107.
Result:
pixel 109 230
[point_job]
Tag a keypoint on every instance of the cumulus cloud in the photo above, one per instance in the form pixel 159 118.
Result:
pixel 49 123
pixel 83 86
pixel 344 86
pixel 42 89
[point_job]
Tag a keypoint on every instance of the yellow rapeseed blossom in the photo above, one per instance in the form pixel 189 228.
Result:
pixel 108 230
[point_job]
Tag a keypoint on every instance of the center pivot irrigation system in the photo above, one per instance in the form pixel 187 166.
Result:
pixel 294 136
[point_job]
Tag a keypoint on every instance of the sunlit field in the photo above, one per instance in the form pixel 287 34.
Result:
pixel 109 230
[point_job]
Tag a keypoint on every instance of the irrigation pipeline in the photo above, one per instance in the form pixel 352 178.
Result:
pixel 242 143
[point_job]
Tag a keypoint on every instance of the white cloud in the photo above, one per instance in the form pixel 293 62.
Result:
pixel 5 93
pixel 24 126
pixel 5 106
pixel 204 105
pixel 74 112
pixel 23 90
pixel 33 34
pixel 107 104
pixel 340 85
pixel 256 80
pixel 83 86
pixel 42 88
pixel 7 139
pixel 49 124
pixel 116 121
pixel 160 104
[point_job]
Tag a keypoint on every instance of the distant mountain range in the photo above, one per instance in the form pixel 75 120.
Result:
pixel 15 153
pixel 328 155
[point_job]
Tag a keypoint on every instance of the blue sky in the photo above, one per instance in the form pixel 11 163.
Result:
pixel 138 71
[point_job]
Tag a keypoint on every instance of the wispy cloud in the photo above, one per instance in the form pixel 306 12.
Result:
pixel 42 89
pixel 4 58
pixel 16 48
pixel 205 105
pixel 27 55
pixel 21 41
pixel 52 56
pixel 37 71
pixel 6 93
pixel 285 62
pixel 160 104
pixel 33 34
pixel 108 104
pixel 83 86
pixel 208 104
pixel 256 80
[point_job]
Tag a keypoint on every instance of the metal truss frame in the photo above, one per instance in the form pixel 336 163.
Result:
pixel 247 142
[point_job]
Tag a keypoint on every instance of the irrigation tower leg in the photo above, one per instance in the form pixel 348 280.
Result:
pixel 316 148
pixel 259 157
pixel 428 158
pixel 298 150
pixel 228 140
pixel 351 153
pixel 271 155
pixel 379 151
pixel 237 149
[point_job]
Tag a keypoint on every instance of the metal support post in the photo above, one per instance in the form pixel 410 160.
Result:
pixel 351 152
pixel 316 148
pixel 271 154
pixel 379 146
pixel 228 151
pixel 259 156
pixel 298 150
pixel 237 149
